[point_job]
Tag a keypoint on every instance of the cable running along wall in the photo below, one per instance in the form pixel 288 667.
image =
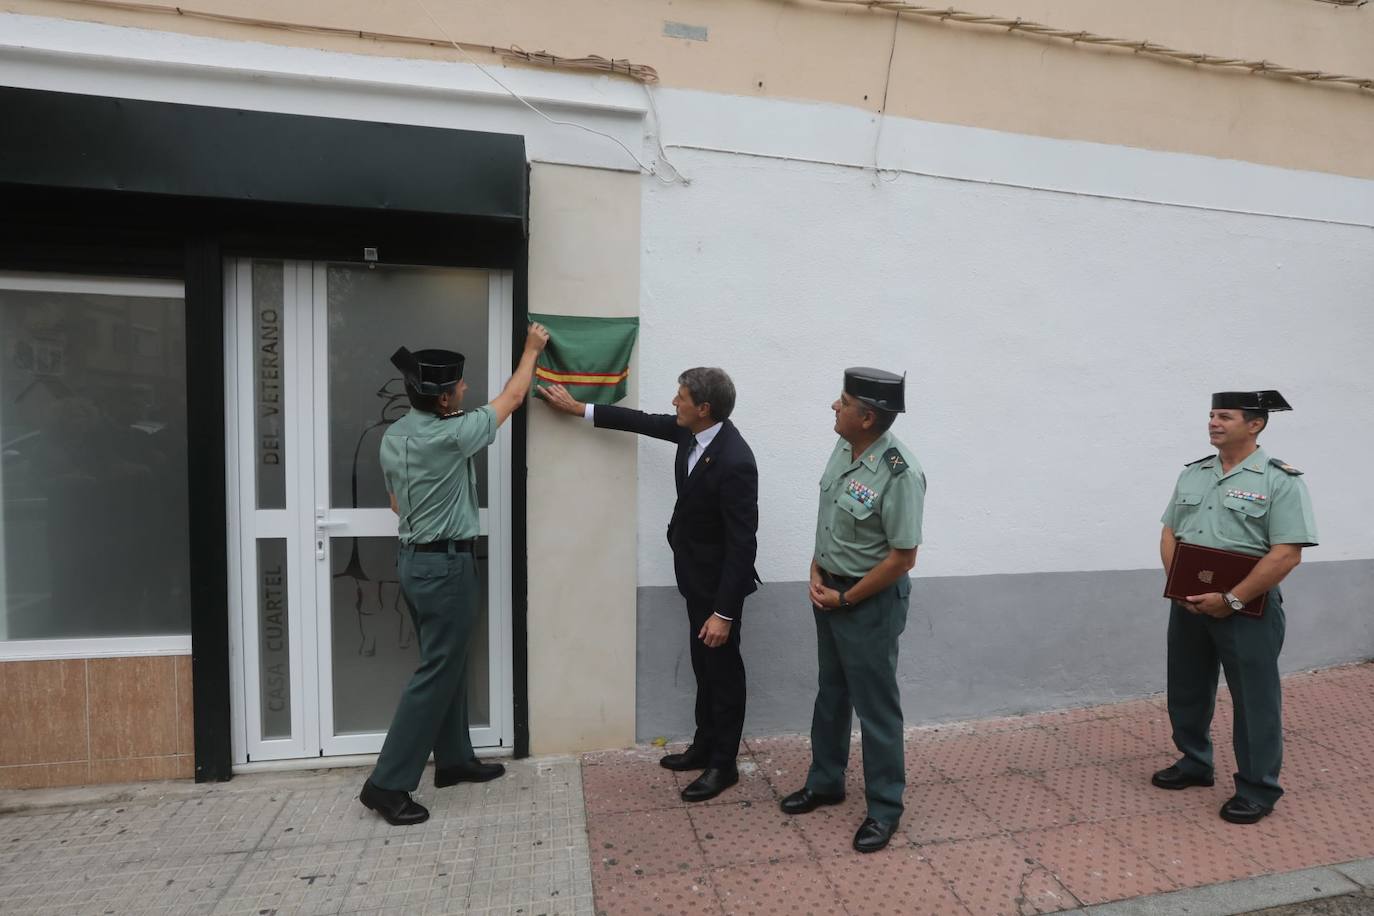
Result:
pixel 512 54
pixel 1079 37
pixel 644 73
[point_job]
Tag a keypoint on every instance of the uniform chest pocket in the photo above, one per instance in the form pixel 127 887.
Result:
pixel 853 518
pixel 1246 507
pixel 1184 507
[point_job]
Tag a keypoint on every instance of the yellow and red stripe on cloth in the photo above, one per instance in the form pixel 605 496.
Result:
pixel 581 378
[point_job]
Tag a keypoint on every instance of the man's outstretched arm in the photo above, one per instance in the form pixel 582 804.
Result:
pixel 607 416
pixel 513 395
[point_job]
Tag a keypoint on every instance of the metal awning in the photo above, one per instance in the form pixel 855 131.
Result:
pixel 58 139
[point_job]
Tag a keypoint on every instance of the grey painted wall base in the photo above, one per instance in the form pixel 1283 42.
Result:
pixel 981 646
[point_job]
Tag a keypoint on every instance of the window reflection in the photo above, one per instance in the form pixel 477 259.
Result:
pixel 93 479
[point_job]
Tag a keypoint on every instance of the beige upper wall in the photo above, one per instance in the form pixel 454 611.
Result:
pixel 581 517
pixel 805 49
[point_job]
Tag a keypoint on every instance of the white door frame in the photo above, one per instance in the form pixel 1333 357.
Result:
pixel 307 524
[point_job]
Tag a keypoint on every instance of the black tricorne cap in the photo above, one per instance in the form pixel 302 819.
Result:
pixel 876 388
pixel 1249 400
pixel 429 371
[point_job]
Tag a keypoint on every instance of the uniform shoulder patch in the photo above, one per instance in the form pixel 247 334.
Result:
pixel 1199 461
pixel 1285 467
pixel 895 462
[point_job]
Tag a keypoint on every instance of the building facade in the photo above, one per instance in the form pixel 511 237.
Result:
pixel 219 223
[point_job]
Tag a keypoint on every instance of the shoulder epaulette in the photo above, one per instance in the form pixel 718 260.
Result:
pixel 895 462
pixel 1285 467
pixel 1199 461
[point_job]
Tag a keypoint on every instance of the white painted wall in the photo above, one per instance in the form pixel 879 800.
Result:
pixel 1061 344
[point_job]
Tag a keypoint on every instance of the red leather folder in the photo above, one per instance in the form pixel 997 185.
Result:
pixel 1199 570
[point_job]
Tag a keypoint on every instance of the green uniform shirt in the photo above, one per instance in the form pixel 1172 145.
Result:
pixel 1249 510
pixel 869 506
pixel 428 467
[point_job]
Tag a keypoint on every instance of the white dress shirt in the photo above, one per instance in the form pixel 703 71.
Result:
pixel 703 439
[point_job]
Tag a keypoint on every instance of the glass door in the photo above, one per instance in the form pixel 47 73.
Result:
pixel 326 638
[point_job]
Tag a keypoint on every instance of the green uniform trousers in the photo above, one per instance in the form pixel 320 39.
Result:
pixel 1247 649
pixel 444 594
pixel 857 655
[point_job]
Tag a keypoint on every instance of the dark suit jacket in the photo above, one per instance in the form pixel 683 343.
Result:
pixel 713 531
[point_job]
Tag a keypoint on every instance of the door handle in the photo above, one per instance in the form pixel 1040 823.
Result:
pixel 322 525
pixel 323 522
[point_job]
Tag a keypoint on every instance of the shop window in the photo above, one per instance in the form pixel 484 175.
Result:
pixel 93 477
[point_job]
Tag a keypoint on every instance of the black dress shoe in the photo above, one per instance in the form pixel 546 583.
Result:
pixel 473 771
pixel 873 835
pixel 394 805
pixel 804 800
pixel 1174 778
pixel 1243 811
pixel 710 783
pixel 690 759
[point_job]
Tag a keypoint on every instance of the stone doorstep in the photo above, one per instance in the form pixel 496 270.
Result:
pixel 65 798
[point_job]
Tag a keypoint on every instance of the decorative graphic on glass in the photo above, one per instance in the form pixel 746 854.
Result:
pixel 371 312
pixel 374 647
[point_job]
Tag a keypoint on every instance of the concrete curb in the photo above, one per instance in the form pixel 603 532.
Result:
pixel 1361 871
pixel 1247 894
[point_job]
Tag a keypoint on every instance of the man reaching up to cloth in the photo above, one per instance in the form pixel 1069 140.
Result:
pixel 713 535
pixel 427 460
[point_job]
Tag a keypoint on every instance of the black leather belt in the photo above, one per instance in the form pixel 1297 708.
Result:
pixel 467 545
pixel 836 581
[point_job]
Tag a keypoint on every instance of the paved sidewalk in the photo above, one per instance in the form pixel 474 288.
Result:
pixel 1036 814
pixel 298 843
pixel 1027 815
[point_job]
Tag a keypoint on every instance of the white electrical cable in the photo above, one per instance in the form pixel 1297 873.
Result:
pixel 658 138
pixel 643 167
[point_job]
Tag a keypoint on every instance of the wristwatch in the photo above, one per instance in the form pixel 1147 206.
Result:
pixel 844 602
pixel 1236 603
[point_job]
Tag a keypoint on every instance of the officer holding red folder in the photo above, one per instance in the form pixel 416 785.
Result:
pixel 1239 500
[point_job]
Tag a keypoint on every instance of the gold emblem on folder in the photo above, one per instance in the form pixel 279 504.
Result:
pixel 1205 575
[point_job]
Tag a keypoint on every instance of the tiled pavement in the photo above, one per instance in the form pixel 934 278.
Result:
pixel 300 843
pixel 1027 815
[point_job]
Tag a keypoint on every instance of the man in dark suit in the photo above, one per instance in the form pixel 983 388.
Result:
pixel 713 535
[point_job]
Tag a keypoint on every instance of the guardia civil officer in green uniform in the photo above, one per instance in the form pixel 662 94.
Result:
pixel 872 496
pixel 427 460
pixel 1243 501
